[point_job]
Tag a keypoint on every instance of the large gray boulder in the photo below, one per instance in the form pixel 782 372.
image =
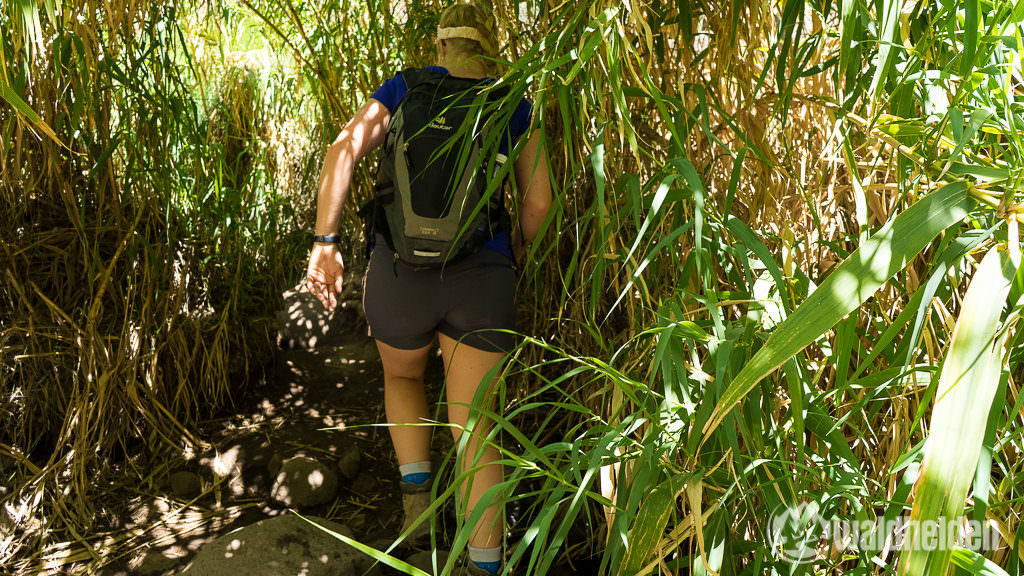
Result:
pixel 280 546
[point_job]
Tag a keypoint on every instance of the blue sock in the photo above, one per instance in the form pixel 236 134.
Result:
pixel 417 478
pixel 490 567
pixel 415 472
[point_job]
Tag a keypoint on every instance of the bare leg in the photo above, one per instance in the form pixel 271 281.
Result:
pixel 465 371
pixel 405 401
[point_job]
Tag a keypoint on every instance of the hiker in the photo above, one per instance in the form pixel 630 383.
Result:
pixel 408 297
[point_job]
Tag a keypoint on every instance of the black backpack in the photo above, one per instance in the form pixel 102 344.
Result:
pixel 439 164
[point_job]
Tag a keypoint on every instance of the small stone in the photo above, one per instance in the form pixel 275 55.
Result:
pixel 274 464
pixel 364 483
pixel 185 484
pixel 304 483
pixel 349 462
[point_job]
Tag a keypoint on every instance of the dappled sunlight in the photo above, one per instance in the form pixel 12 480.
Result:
pixel 315 479
pixel 171 533
pixel 223 463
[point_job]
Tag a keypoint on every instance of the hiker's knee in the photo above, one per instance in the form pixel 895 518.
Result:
pixel 403 366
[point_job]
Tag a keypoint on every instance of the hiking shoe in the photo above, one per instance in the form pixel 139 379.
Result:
pixel 415 500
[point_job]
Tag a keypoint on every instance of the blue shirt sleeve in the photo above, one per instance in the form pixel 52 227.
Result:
pixel 520 121
pixel 518 124
pixel 390 92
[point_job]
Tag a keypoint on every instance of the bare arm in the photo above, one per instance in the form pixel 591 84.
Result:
pixel 359 137
pixel 534 186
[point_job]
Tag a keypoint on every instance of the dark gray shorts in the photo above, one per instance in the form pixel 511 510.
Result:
pixel 467 301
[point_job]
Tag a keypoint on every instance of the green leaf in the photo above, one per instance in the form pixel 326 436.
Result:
pixel 978 118
pixel 967 385
pixel 853 282
pixel 976 563
pixel 886 46
pixel 372 552
pixel 597 29
pixel 716 536
pixel 651 519
pixel 970 47
pixel 12 98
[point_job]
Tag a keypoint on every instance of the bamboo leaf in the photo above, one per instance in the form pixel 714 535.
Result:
pixel 650 523
pixel 597 30
pixel 16 102
pixel 970 47
pixel 856 279
pixel 967 385
pixel 976 563
pixel 978 118
pixel 886 46
pixel 372 552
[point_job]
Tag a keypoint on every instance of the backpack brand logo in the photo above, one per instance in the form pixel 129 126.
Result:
pixel 439 123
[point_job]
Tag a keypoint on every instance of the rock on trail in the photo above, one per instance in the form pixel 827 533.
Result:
pixel 280 546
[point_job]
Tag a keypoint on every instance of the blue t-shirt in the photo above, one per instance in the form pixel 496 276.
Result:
pixel 393 90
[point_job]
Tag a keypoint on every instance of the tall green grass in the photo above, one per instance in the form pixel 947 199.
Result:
pixel 751 295
pixel 148 230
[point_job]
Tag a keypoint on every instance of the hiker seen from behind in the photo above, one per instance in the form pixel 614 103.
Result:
pixel 443 249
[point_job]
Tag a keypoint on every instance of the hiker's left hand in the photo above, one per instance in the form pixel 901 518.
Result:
pixel 324 274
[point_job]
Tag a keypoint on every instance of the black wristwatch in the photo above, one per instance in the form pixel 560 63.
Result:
pixel 330 239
